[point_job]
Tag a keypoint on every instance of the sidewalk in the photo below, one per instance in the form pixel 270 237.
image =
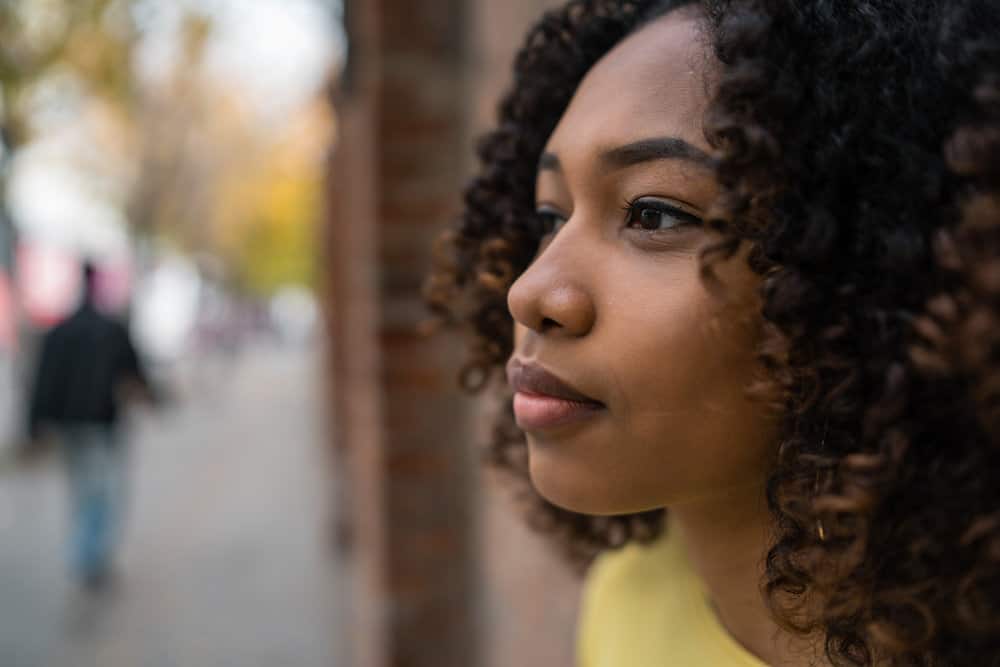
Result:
pixel 225 562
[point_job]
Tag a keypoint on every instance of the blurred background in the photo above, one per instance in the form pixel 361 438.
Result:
pixel 258 184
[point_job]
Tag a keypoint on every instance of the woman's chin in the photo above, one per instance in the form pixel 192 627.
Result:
pixel 569 488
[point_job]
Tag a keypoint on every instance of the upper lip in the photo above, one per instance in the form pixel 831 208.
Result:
pixel 533 379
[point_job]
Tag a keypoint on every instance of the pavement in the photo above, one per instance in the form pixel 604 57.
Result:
pixel 226 560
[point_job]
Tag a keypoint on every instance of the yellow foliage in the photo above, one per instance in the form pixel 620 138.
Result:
pixel 269 210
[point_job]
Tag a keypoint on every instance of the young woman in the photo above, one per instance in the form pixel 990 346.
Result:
pixel 717 247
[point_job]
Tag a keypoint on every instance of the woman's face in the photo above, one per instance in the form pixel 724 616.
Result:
pixel 648 406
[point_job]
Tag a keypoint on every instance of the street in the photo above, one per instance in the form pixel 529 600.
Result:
pixel 226 561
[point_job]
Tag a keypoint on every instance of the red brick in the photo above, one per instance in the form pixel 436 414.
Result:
pixel 442 573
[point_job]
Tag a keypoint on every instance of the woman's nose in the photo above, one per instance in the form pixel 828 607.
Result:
pixel 551 296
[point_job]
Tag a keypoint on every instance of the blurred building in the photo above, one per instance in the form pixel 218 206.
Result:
pixel 444 573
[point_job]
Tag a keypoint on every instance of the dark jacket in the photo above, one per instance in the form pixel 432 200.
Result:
pixel 82 365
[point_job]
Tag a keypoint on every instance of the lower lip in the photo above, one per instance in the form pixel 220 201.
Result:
pixel 534 412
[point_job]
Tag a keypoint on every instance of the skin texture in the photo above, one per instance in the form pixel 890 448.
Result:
pixel 623 315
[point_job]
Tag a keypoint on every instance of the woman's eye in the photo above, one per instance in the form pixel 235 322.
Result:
pixel 656 215
pixel 549 221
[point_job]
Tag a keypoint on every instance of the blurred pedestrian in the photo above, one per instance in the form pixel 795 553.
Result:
pixel 87 366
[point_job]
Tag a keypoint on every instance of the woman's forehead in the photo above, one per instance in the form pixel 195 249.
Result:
pixel 653 83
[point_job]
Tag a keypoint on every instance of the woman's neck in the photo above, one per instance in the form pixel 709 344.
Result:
pixel 726 538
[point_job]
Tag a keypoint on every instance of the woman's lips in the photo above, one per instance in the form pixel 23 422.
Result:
pixel 542 400
pixel 534 412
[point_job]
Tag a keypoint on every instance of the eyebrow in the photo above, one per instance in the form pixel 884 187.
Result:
pixel 637 152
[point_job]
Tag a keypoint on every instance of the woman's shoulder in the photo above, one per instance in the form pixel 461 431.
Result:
pixel 635 569
pixel 631 598
pixel 643 605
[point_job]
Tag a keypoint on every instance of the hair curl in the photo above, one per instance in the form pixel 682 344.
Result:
pixel 859 145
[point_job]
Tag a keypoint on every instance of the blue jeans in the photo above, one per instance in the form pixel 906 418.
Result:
pixel 96 467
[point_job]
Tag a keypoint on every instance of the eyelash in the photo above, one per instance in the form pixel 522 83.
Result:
pixel 549 219
pixel 641 204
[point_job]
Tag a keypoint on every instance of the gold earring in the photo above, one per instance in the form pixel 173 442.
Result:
pixel 819 522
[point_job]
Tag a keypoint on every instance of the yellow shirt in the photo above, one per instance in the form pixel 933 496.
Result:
pixel 643 606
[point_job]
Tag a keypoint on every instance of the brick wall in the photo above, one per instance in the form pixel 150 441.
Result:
pixel 441 573
pixel 351 305
pixel 528 597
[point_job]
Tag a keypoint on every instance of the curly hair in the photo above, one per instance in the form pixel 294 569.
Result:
pixel 859 146
pixel 834 119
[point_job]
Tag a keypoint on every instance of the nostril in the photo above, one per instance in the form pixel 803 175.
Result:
pixel 548 323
